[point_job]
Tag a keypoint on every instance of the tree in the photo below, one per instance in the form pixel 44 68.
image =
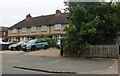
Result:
pixel 91 23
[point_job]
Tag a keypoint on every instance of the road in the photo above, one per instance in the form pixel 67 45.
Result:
pixel 78 65
pixel 8 61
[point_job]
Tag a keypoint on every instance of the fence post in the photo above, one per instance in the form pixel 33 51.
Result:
pixel 118 47
pixel 118 50
pixel 61 47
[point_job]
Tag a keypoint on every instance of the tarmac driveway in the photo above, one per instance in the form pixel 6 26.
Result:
pixel 50 60
pixel 62 64
pixel 51 52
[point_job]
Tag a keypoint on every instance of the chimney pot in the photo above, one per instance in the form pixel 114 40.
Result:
pixel 58 12
pixel 28 17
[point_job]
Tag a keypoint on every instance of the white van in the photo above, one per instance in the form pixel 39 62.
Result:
pixel 3 41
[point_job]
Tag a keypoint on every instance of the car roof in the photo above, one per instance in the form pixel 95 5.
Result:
pixel 2 39
pixel 37 40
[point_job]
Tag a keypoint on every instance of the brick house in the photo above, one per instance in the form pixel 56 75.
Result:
pixel 3 32
pixel 31 27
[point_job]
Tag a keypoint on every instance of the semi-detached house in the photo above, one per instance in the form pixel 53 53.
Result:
pixel 3 32
pixel 51 25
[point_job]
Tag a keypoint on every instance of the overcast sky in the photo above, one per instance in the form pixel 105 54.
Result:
pixel 13 11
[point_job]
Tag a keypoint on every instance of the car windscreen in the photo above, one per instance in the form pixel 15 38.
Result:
pixel 21 42
pixel 43 41
pixel 4 40
pixel 32 41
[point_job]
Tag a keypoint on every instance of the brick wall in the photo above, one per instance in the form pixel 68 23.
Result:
pixel 50 30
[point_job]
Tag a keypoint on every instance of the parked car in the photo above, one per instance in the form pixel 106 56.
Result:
pixel 3 41
pixel 3 44
pixel 35 45
pixel 16 46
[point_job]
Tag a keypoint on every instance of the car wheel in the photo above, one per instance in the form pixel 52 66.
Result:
pixel 24 50
pixel 58 46
pixel 18 48
pixel 45 47
pixel 38 49
pixel 33 48
pixel 12 49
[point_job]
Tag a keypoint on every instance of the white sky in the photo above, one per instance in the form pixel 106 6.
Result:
pixel 13 11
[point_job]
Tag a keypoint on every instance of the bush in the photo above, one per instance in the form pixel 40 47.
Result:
pixel 51 41
pixel 42 37
pixel 14 42
pixel 73 50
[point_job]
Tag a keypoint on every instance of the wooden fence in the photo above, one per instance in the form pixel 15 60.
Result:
pixel 103 51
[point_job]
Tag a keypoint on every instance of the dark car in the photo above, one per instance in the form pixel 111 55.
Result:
pixel 3 44
pixel 16 46
pixel 34 45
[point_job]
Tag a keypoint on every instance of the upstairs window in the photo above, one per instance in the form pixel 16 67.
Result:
pixel 24 29
pixel 14 30
pixel 57 26
pixel 33 29
pixel 44 28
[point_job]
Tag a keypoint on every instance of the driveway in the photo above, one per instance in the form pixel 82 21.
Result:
pixel 49 61
pixel 52 65
pixel 51 52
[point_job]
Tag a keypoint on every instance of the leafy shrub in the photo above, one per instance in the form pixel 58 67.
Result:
pixel 51 41
pixel 13 42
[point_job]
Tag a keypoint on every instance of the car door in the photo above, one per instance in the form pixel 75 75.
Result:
pixel 38 44
pixel 43 43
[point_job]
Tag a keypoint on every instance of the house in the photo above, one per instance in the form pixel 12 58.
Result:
pixel 3 32
pixel 51 25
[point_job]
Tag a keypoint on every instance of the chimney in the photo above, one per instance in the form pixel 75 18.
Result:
pixel 28 17
pixel 58 12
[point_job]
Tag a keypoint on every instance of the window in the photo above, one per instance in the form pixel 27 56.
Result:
pixel 57 26
pixel 44 28
pixel 57 37
pixel 15 30
pixel 33 29
pixel 23 29
pixel 38 41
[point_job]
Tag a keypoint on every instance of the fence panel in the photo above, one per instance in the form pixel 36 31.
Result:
pixel 103 51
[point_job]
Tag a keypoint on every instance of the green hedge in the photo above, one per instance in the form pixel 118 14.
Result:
pixel 68 51
pixel 51 41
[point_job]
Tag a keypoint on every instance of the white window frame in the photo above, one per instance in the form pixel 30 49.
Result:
pixel 24 29
pixel 43 28
pixel 57 37
pixel 58 26
pixel 33 29
pixel 14 30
